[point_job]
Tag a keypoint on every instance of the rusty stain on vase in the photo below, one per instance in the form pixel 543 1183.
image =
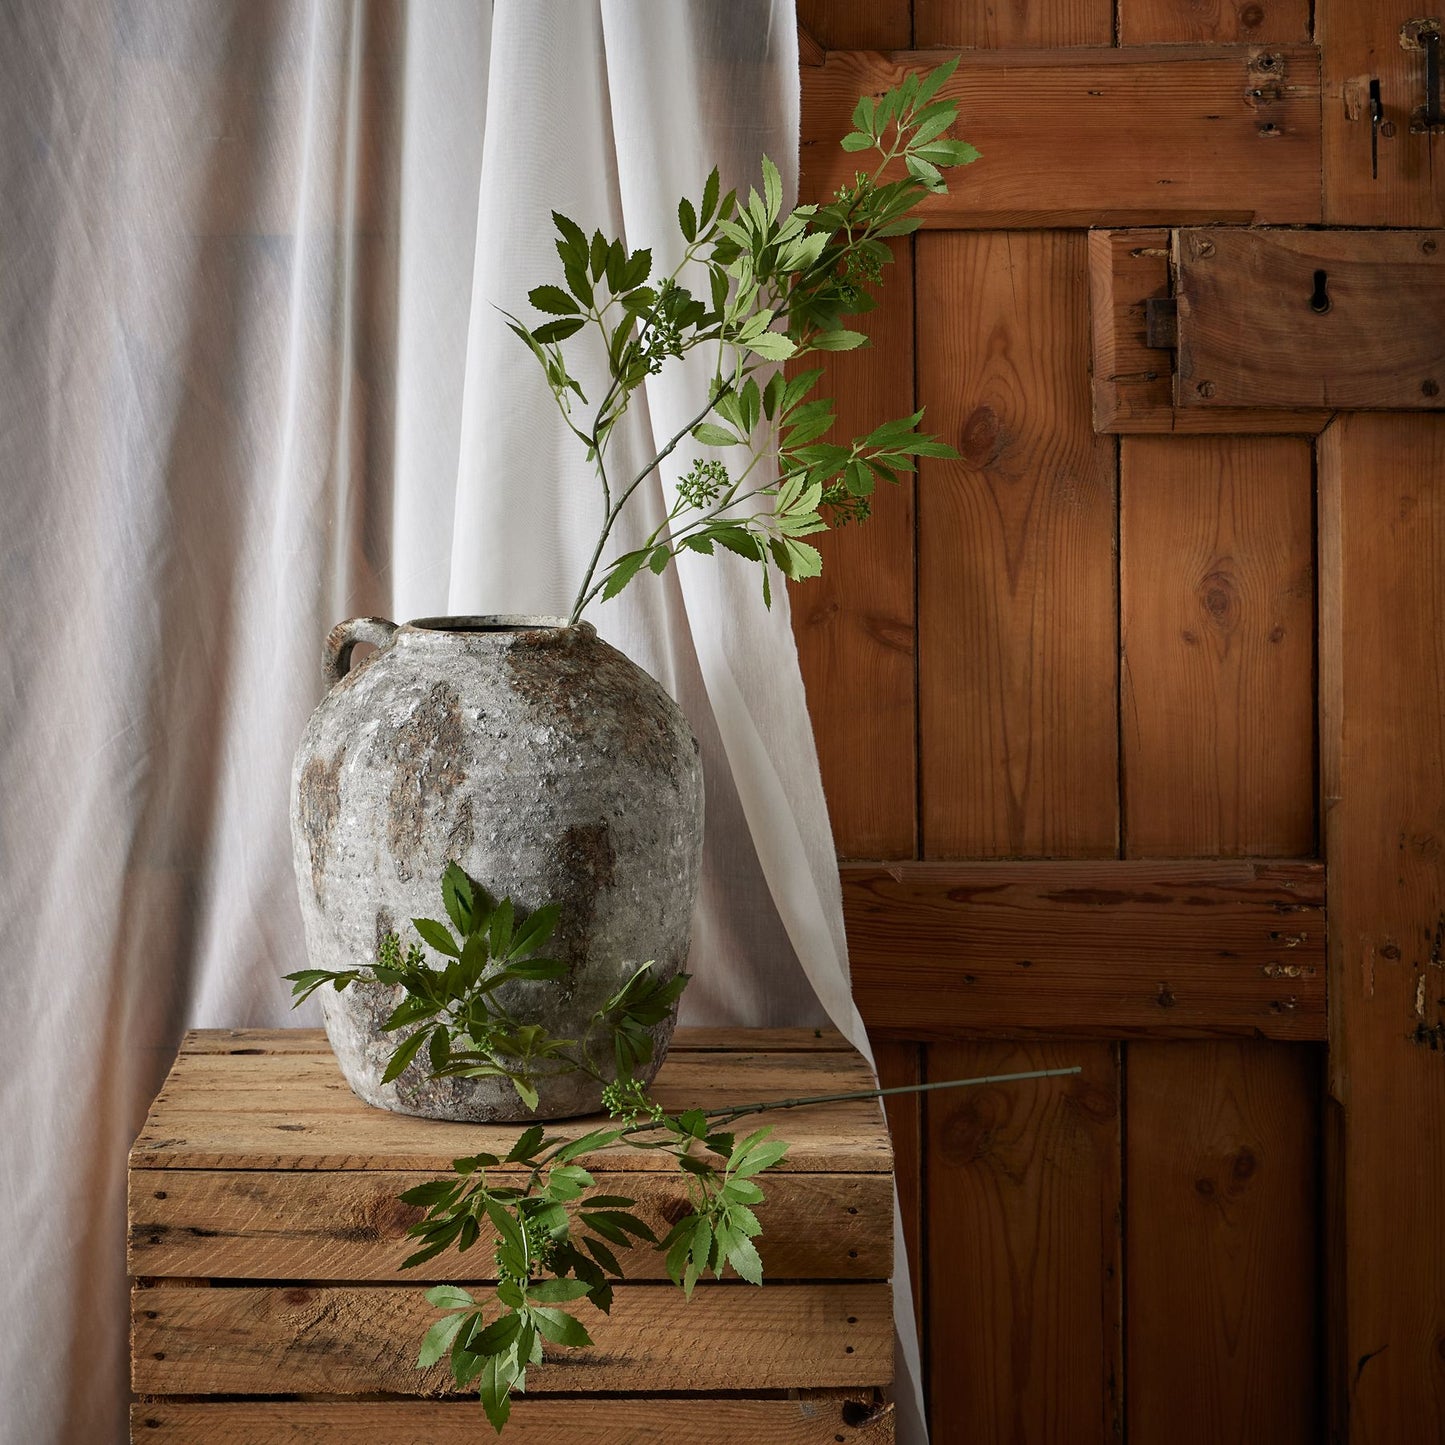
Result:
pixel 320 800
pixel 429 747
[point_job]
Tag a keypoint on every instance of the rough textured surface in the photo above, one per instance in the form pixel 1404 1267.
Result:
pixel 553 770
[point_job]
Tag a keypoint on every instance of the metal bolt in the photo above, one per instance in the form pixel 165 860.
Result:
pixel 1203 248
pixel 1205 388
pixel 1428 246
pixel 1430 387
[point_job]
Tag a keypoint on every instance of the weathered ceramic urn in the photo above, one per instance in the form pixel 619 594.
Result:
pixel 549 766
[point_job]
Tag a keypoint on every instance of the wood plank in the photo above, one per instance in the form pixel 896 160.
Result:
pixel 1016 577
pixel 1089 949
pixel 1166 135
pixel 857 24
pixel 816 1417
pixel 854 625
pixel 899 1065
pixel 1023 1221
pixel 1256 22
pixel 1382 742
pixel 1249 330
pixel 1217 688
pixel 1222 1237
pixel 1016 23
pixel 252 1224
pixel 361 1339
pixel 1133 383
pixel 1361 42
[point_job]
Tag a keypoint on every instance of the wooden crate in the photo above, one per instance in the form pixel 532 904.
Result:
pixel 265 1235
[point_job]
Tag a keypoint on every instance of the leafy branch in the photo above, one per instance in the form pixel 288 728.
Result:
pixel 771 287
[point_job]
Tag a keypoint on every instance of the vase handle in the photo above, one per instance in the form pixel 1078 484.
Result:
pixel 343 638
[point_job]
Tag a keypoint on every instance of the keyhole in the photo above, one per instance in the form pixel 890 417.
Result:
pixel 1320 301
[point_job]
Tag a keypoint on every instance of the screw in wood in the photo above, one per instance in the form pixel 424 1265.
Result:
pixel 1428 246
pixel 1430 387
pixel 1203 248
pixel 1205 388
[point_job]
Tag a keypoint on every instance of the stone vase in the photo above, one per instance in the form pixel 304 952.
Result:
pixel 545 763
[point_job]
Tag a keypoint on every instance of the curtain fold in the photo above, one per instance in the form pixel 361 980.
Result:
pixel 254 378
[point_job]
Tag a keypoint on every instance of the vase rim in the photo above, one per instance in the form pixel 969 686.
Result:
pixel 492 623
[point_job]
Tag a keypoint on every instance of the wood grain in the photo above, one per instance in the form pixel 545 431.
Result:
pixel 854 625
pixel 1257 22
pixel 1012 23
pixel 1249 331
pixel 857 24
pixel 1089 949
pixel 1359 42
pixel 899 1065
pixel 1017 643
pixel 1132 382
pixel 1023 1190
pixel 1217 604
pixel 352 1340
pixel 349 1224
pixel 1382 739
pixel 815 1417
pixel 1165 135
pixel 1222 1243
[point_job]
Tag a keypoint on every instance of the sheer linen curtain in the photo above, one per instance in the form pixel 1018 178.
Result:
pixel 253 379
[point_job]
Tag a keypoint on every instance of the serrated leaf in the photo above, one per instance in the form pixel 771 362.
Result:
pixel 438 1340
pixel 687 219
pixel 527 1144
pixel 558 1291
pixel 560 1328
pixel 744 1258
pixel 449 1297
pixel 772 346
pixel 712 435
pixel 560 330
pixel 552 299
pixel 856 141
pixel 404 1055
pixel 772 188
pixel 438 936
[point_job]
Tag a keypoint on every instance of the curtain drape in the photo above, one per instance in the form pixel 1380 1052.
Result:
pixel 253 379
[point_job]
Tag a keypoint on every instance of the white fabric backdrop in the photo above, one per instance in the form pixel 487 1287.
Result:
pixel 252 380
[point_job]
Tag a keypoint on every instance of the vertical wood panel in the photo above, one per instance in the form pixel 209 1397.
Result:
pixel 857 24
pixel 901 1064
pixel 1023 1229
pixel 1222 1243
pixel 1017 619
pixel 854 625
pixel 1217 605
pixel 985 24
pixel 1382 734
pixel 1146 22
pixel 1360 40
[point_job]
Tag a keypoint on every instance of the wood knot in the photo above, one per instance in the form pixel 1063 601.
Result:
pixel 983 439
pixel 1244 1164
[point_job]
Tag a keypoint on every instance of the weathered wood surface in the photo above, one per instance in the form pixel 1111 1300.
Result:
pixel 1254 22
pixel 853 25
pixel 292 1110
pixel 362 1339
pixel 994 26
pixel 1382 734
pixel 1360 41
pixel 1133 382
pixel 854 625
pixel 349 1224
pixel 1089 949
pixel 1217 637
pixel 1221 1268
pixel 1249 330
pixel 1024 1238
pixel 1155 135
pixel 815 1417
pixel 1018 720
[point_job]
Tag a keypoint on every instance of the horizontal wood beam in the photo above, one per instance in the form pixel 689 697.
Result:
pixel 1098 136
pixel 1088 949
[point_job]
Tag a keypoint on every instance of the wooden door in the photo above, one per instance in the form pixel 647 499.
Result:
pixel 1132 729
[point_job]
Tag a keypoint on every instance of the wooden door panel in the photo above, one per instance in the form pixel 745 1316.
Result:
pixel 1016 577
pixel 1020 23
pixel 1255 22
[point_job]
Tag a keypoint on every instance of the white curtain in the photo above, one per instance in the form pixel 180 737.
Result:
pixel 253 379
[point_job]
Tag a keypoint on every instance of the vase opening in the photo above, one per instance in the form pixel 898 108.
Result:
pixel 500 623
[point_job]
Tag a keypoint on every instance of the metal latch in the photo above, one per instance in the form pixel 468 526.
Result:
pixel 1424 35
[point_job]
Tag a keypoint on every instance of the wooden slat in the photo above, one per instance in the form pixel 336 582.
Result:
pixel 816 1417
pixel 256 1224
pixel 1015 23
pixel 1222 1243
pixel 1133 383
pixel 899 1065
pixel 1017 643
pixel 857 24
pixel 1256 22
pixel 1249 331
pixel 1089 949
pixel 362 1339
pixel 854 624
pixel 1023 1219
pixel 1217 604
pixel 1360 42
pixel 1382 742
pixel 1155 135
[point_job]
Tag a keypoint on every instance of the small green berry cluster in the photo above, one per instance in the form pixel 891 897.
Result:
pixel 663 337
pixel 627 1099
pixel 703 483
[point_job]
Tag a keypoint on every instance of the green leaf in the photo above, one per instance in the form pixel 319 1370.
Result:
pixel 501 929
pixel 712 435
pixel 574 238
pixel 536 930
pixel 659 559
pixel 497 1335
pixel 404 1055
pixel 744 1258
pixel 507 1226
pixel 438 936
pixel 434 1191
pixel 558 1291
pixel 458 898
pixel 560 1328
pixel 838 340
pixel 856 141
pixel 439 1049
pixel 602 1254
pixel 449 1297
pixel 560 330
pixel 496 1387
pixel 624 569
pixel 772 188
pixel 527 1144
pixel 930 85
pixel 438 1340
pixel 687 219
pixel 710 195
pixel 772 346
pixel 552 299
